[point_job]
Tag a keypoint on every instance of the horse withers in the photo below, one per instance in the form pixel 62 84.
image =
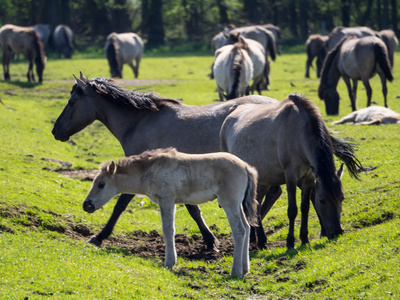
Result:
pixel 170 177
pixel 354 59
pixel 22 40
pixel 288 143
pixel 63 39
pixel 123 48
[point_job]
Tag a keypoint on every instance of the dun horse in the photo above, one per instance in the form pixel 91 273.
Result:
pixel 354 59
pixel 122 49
pixel 63 39
pixel 22 40
pixel 233 70
pixel 373 115
pixel 145 121
pixel 169 177
pixel 294 148
pixel 315 46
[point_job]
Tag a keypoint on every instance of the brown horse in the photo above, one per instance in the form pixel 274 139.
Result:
pixel 169 177
pixel 315 46
pixel 354 59
pixel 22 40
pixel 142 122
pixel 288 143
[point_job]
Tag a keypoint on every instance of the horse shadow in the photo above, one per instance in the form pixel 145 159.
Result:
pixel 23 84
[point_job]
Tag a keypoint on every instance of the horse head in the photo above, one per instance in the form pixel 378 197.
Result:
pixel 330 97
pixel 103 188
pixel 78 113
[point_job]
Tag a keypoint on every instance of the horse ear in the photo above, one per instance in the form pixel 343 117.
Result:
pixel 81 75
pixel 79 82
pixel 340 172
pixel 111 168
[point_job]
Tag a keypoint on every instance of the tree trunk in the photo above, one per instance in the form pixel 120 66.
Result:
pixel 395 17
pixel 223 15
pixel 303 19
pixel 155 24
pixel 345 8
pixel 250 8
pixel 293 18
pixel 385 16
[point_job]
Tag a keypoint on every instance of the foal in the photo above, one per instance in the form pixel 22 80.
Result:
pixel 170 177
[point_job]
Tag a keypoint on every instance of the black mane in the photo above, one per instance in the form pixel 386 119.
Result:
pixel 125 98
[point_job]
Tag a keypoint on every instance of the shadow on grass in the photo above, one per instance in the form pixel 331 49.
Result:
pixel 23 84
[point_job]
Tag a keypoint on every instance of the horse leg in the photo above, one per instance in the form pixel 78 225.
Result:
pixel 346 80
pixel 272 195
pixel 261 238
pixel 368 90
pixel 208 237
pixel 29 75
pixel 167 210
pixel 306 188
pixel 240 232
pixel 292 210
pixel 6 63
pixel 119 208
pixel 137 66
pixel 384 88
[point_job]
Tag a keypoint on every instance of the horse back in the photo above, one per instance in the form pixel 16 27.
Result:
pixel 20 39
pixel 130 46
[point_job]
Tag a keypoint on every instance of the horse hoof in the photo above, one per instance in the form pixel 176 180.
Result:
pixel 94 241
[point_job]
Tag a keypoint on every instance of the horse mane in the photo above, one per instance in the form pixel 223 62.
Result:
pixel 323 150
pixel 328 62
pixel 125 98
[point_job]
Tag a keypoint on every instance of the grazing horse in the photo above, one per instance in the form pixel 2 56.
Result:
pixel 372 115
pixel 389 38
pixel 169 177
pixel 354 59
pixel 63 39
pixel 315 46
pixel 233 70
pixel 22 40
pixel 44 31
pixel 257 55
pixel 288 143
pixel 145 121
pixel 122 49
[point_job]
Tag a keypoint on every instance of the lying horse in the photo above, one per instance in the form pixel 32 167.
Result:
pixel 373 115
pixel 22 40
pixel 354 59
pixel 63 39
pixel 169 177
pixel 233 70
pixel 122 49
pixel 294 148
pixel 146 121
pixel 315 46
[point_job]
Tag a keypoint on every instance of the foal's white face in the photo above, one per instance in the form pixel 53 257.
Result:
pixel 102 190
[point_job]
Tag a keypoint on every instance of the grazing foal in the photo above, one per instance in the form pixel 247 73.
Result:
pixel 170 177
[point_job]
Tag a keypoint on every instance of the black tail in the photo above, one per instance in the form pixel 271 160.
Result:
pixel 40 56
pixel 250 204
pixel 236 72
pixel 383 61
pixel 270 44
pixel 345 152
pixel 111 54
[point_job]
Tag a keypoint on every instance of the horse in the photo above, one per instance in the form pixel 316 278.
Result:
pixel 44 31
pixel 144 121
pixel 276 31
pixel 288 143
pixel 169 177
pixel 372 115
pixel 219 40
pixel 233 70
pixel 63 39
pixel 122 49
pixel 315 46
pixel 389 38
pixel 355 59
pixel 22 40
pixel 257 55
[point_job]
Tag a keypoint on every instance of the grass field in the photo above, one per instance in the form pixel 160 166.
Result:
pixel 43 253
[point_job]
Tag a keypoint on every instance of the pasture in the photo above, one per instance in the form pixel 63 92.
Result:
pixel 43 227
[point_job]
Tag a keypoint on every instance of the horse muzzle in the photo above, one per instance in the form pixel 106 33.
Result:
pixel 58 136
pixel 88 206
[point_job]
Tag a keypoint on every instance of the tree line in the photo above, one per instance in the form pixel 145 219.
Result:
pixel 174 21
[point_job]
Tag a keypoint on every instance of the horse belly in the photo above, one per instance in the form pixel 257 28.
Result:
pixel 196 197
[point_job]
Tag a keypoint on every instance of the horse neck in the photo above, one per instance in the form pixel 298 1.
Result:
pixel 332 76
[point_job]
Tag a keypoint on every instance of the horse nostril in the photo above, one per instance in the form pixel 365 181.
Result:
pixel 88 206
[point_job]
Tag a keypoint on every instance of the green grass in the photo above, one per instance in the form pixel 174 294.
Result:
pixel 36 205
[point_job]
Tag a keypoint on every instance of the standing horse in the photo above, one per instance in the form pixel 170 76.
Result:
pixel 276 31
pixel 389 38
pixel 145 121
pixel 233 70
pixel 63 39
pixel 288 143
pixel 169 177
pixel 122 49
pixel 22 40
pixel 354 59
pixel 315 46
pixel 44 31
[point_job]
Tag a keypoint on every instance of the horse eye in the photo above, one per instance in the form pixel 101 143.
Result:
pixel 101 185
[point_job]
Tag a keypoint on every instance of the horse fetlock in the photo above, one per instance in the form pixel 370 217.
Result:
pixel 94 241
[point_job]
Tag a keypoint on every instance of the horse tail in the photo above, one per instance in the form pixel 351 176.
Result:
pixel 270 44
pixel 383 60
pixel 40 56
pixel 328 63
pixel 112 55
pixel 249 203
pixel 345 152
pixel 236 72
